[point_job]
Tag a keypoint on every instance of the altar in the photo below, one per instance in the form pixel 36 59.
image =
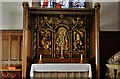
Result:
pixel 61 70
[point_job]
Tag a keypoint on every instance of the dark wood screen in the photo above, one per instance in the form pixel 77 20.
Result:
pixel 63 33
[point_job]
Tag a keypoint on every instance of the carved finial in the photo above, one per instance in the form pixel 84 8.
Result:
pixel 97 5
pixel 25 4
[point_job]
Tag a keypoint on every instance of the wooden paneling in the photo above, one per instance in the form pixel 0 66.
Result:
pixel 14 48
pixel 5 45
pixel 11 48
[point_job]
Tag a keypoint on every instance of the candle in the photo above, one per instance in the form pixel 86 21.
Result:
pixel 81 56
pixel 40 57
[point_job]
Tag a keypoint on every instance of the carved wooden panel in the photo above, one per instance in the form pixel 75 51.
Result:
pixel 11 48
pixel 15 74
pixel 5 45
pixel 60 33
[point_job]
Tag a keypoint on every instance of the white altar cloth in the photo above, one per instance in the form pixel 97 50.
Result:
pixel 61 68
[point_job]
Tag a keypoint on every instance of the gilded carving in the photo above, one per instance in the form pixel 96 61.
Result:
pixel 79 12
pixel 45 40
pixel 79 22
pixel 78 40
pixel 52 21
pixel 53 34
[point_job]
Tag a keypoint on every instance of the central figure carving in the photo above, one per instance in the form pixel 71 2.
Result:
pixel 62 41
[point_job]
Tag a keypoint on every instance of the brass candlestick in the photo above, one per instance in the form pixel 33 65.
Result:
pixel 40 61
pixel 81 61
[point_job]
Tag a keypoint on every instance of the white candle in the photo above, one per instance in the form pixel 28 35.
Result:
pixel 40 56
pixel 81 56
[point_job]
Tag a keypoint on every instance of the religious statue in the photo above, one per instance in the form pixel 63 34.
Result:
pixel 45 40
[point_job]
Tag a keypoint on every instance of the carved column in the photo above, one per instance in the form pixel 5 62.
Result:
pixel 0 51
pixel 26 39
pixel 119 15
pixel 97 26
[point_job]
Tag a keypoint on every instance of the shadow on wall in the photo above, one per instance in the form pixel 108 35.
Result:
pixel 0 75
pixel 109 45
